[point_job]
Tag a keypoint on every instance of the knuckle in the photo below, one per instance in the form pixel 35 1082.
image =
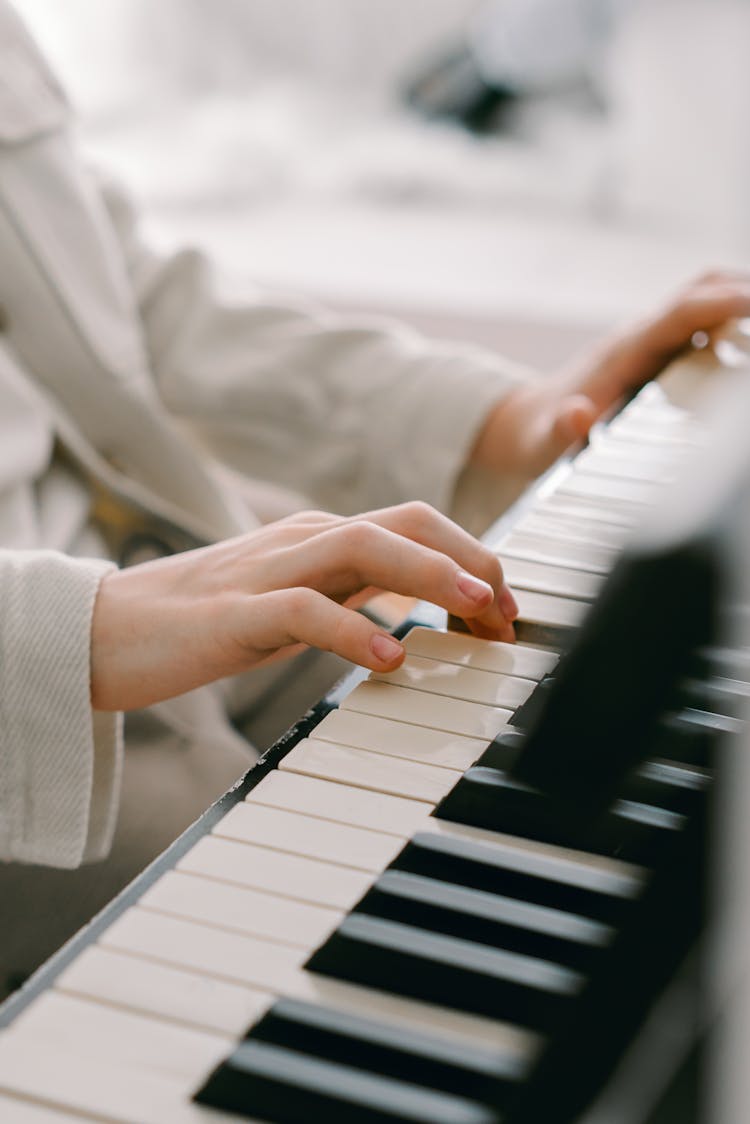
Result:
pixel 415 517
pixel 418 514
pixel 299 600
pixel 359 537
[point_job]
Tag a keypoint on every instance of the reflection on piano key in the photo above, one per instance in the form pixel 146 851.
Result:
pixel 399 739
pixel 438 712
pixel 484 655
pixel 457 682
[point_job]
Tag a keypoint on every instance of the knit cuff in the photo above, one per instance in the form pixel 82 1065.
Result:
pixel 59 762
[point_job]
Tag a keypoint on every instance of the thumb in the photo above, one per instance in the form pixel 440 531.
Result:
pixel 574 418
pixel 568 421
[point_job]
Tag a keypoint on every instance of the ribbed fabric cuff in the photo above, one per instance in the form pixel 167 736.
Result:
pixel 59 763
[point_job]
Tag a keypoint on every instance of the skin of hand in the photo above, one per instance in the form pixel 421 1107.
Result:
pixel 533 425
pixel 164 627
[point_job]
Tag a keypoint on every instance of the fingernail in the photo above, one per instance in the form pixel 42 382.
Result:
pixel 474 588
pixel 385 648
pixel 508 603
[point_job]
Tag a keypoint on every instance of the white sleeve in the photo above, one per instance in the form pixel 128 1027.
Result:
pixel 355 415
pixel 59 761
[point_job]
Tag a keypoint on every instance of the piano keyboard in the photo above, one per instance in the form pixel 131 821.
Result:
pixel 359 936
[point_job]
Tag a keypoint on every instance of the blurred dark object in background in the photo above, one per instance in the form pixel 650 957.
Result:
pixel 451 87
pixel 515 49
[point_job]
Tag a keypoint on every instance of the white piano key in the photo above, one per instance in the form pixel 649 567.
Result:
pixel 520 573
pixel 456 682
pixel 631 454
pixel 197 948
pixel 163 990
pixel 134 1039
pixel 293 876
pixel 107 1090
pixel 570 529
pixel 610 489
pixel 399 739
pixel 484 655
pixel 453 715
pixel 16 1111
pixel 556 552
pixel 202 948
pixel 662 428
pixel 243 910
pixel 392 815
pixel 606 461
pixel 305 835
pixel 577 507
pixel 347 765
pixel 549 611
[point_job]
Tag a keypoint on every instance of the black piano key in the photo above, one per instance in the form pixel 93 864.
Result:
pixel 717 695
pixel 489 919
pixel 365 1044
pixel 586 890
pixel 688 738
pixel 529 712
pixel 654 782
pixel 721 662
pixel 503 751
pixel 493 800
pixel 453 973
pixel 267 1082
pixel 633 650
pixel 650 948
pixel 667 785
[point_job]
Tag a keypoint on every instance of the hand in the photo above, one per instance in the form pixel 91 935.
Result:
pixel 164 627
pixel 535 424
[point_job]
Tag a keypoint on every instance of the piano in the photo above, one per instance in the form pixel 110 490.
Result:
pixel 472 891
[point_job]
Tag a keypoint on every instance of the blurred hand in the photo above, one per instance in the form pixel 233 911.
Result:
pixel 164 627
pixel 534 424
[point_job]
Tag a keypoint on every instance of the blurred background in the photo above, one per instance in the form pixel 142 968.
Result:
pixel 524 172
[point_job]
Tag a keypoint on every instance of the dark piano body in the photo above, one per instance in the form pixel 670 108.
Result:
pixel 476 892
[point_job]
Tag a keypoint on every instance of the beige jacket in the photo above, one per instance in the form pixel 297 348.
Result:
pixel 148 376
